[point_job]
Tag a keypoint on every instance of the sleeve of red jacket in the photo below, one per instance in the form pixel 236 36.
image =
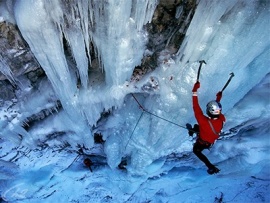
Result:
pixel 196 108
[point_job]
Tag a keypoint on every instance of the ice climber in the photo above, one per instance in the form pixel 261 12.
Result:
pixel 208 128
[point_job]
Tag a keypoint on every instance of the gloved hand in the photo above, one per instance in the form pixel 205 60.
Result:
pixel 190 129
pixel 196 86
pixel 219 96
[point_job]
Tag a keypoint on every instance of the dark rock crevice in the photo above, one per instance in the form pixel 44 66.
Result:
pixel 166 31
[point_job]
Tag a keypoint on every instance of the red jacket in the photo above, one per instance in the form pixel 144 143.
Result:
pixel 206 132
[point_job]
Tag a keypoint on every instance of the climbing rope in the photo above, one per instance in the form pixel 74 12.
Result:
pixel 134 130
pixel 222 135
pixel 155 114
pixel 144 110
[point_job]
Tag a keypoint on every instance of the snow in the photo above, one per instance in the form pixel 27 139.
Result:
pixel 60 176
pixel 44 164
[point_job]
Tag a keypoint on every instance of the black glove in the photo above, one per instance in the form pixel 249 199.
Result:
pixel 196 129
pixel 190 130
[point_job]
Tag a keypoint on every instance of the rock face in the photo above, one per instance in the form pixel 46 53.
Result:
pixel 15 51
pixel 169 25
pixel 16 59
pixel 166 32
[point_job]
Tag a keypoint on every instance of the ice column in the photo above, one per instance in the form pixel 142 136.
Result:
pixel 119 37
pixel 112 28
pixel 45 39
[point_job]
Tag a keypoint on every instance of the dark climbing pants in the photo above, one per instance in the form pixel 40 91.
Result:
pixel 198 147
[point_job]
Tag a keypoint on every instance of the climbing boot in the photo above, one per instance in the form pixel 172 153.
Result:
pixel 213 170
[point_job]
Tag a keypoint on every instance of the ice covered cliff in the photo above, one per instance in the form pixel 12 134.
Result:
pixel 93 52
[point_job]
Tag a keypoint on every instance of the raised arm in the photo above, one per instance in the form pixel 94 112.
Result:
pixel 196 107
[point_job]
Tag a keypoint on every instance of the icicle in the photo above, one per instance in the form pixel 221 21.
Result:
pixel 114 27
pixel 84 10
pixel 4 69
pixel 120 24
pixel 144 11
pixel 74 33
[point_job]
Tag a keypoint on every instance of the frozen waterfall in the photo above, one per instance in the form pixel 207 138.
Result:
pixel 113 29
pixel 231 36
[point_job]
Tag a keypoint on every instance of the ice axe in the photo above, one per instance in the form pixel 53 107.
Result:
pixel 198 74
pixel 227 83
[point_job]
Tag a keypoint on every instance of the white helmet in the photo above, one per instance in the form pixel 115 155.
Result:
pixel 213 108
